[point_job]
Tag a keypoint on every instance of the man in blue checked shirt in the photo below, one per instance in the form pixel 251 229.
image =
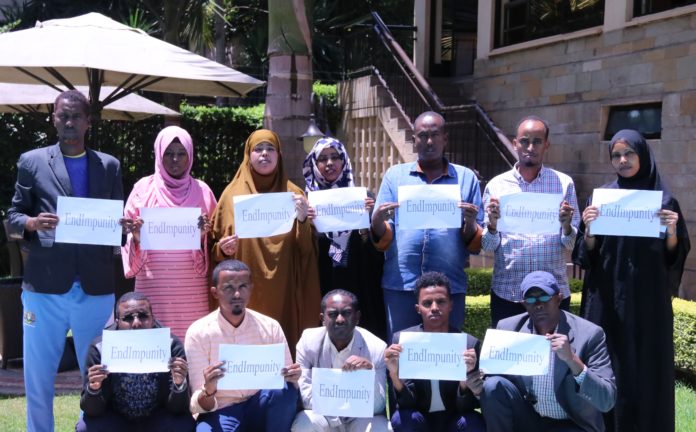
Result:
pixel 517 254
pixel 410 253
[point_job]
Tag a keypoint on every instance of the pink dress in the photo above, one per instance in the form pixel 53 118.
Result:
pixel 176 282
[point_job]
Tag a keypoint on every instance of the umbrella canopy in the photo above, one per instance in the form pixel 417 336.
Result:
pixel 94 50
pixel 33 98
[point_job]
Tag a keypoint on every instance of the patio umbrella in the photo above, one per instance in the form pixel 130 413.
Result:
pixel 36 98
pixel 93 50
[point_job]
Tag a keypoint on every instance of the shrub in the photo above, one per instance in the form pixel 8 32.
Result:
pixel 685 337
pixel 480 280
pixel 478 320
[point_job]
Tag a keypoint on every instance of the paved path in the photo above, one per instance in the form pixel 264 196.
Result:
pixel 12 380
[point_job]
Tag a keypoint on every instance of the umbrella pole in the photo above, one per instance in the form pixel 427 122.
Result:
pixel 95 77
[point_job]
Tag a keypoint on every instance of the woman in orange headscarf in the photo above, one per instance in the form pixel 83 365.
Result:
pixel 283 267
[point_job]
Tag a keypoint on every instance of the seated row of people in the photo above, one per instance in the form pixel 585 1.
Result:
pixel 577 388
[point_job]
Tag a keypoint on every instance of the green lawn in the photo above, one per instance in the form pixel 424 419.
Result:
pixel 13 412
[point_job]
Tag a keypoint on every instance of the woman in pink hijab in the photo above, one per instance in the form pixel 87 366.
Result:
pixel 175 281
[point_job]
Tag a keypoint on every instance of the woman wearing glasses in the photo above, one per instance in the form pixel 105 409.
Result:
pixel 175 281
pixel 347 259
pixel 629 282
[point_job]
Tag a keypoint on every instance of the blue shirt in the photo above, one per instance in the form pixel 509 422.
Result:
pixel 413 252
pixel 77 171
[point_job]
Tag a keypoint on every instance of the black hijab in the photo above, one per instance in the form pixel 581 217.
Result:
pixel 647 177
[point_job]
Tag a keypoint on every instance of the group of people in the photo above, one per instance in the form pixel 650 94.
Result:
pixel 290 279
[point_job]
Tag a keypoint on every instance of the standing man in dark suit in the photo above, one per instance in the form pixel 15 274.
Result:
pixel 579 385
pixel 432 405
pixel 65 286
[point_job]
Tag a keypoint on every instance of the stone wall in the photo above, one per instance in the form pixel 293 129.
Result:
pixel 571 82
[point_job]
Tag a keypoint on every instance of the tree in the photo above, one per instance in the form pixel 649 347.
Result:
pixel 289 77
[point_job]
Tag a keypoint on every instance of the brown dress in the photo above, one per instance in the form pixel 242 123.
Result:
pixel 283 267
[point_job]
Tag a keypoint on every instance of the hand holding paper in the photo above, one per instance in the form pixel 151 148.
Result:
pixel 179 369
pixel 292 373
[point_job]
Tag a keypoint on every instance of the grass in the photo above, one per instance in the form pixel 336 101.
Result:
pixel 13 413
pixel 66 409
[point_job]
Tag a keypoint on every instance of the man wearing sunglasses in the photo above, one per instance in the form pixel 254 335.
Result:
pixel 135 402
pixel 579 385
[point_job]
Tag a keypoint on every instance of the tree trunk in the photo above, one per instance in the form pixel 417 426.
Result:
pixel 289 79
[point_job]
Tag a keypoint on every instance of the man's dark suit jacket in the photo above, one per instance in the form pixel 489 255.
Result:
pixel 584 403
pixel 51 267
pixel 416 394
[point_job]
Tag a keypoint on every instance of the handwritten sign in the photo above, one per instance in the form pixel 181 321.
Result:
pixel 339 209
pixel 173 228
pixel 250 367
pixel 429 206
pixel 433 356
pixel 263 215
pixel 513 353
pixel 136 351
pixel 530 213
pixel 89 221
pixel 626 212
pixel 343 394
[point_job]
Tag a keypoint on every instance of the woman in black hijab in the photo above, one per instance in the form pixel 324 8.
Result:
pixel 629 282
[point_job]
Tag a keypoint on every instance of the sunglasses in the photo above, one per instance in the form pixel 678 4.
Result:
pixel 540 299
pixel 129 318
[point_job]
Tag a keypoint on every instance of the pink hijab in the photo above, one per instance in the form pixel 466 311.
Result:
pixel 163 190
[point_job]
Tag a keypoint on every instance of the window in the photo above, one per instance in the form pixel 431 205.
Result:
pixel 645 118
pixel 523 20
pixel 646 7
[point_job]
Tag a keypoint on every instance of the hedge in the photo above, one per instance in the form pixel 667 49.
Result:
pixel 478 320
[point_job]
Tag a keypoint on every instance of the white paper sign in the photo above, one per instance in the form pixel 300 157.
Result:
pixel 343 394
pixel 626 212
pixel 251 367
pixel 432 356
pixel 174 228
pixel 513 353
pixel 530 213
pixel 263 215
pixel 429 206
pixel 136 351
pixel 339 209
pixel 89 221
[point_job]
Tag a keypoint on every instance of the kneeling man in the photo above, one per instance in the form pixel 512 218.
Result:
pixel 339 344
pixel 579 385
pixel 135 402
pixel 234 323
pixel 434 405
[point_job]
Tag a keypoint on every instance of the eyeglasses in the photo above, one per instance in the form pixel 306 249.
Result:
pixel 129 318
pixel 540 299
pixel 333 158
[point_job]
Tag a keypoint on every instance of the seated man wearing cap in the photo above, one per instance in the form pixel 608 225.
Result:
pixel 579 385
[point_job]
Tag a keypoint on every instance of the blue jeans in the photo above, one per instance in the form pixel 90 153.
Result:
pixel 267 410
pixel 405 420
pixel 47 319
pixel 401 311
pixel 160 420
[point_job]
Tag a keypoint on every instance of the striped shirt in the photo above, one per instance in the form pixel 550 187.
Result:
pixel 516 255
pixel 203 339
